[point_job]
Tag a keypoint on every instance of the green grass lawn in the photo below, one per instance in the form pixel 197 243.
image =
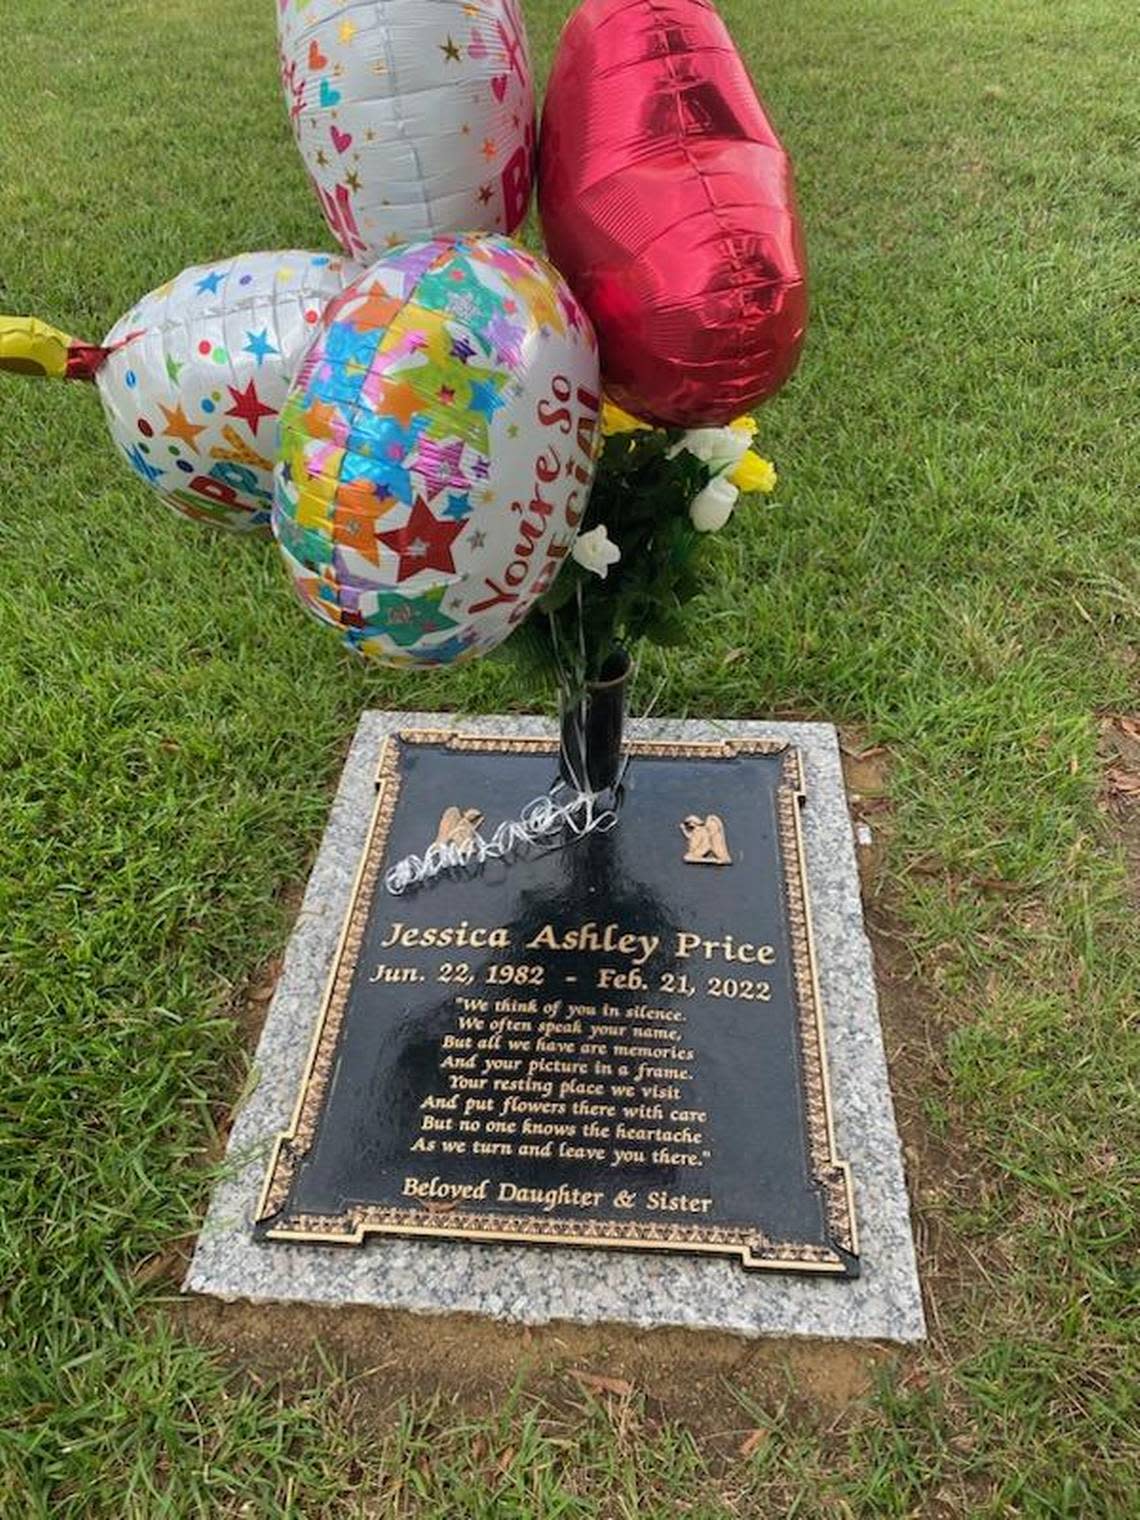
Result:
pixel 950 566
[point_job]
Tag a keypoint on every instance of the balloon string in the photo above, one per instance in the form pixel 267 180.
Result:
pixel 544 822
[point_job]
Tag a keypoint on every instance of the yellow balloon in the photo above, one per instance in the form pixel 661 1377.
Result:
pixel 31 347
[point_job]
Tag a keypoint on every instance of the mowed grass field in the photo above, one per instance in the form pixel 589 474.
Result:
pixel 949 568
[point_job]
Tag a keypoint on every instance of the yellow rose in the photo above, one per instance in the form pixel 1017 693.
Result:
pixel 753 473
pixel 614 420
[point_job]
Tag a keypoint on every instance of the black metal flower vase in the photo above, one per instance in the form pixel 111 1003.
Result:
pixel 593 726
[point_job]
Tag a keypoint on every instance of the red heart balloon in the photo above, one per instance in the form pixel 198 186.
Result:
pixel 667 203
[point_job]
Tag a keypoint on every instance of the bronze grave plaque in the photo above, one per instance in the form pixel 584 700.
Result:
pixel 614 1044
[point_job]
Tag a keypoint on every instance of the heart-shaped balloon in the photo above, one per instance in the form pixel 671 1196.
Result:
pixel 666 202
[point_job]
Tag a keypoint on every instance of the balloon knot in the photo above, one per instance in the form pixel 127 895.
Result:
pixel 84 359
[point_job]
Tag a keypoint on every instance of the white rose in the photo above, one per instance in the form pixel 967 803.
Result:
pixel 711 508
pixel 596 551
pixel 719 448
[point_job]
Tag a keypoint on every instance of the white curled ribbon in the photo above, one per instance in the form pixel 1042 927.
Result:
pixel 545 822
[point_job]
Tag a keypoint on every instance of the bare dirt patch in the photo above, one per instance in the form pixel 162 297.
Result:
pixel 1119 750
pixel 943 1175
pixel 866 773
pixel 715 1384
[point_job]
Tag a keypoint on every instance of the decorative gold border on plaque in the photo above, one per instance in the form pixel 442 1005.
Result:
pixel 444 1221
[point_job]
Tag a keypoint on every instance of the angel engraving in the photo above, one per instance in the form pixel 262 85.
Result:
pixel 458 826
pixel 707 843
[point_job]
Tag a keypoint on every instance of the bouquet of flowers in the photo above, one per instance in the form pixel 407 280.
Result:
pixel 658 495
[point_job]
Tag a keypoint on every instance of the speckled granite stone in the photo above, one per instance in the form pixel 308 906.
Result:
pixel 535 1285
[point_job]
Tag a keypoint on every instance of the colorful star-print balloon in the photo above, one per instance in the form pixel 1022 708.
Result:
pixel 192 379
pixel 437 449
pixel 412 119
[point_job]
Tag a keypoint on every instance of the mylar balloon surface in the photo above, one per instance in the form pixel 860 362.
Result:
pixel 413 118
pixel 437 449
pixel 193 377
pixel 666 201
